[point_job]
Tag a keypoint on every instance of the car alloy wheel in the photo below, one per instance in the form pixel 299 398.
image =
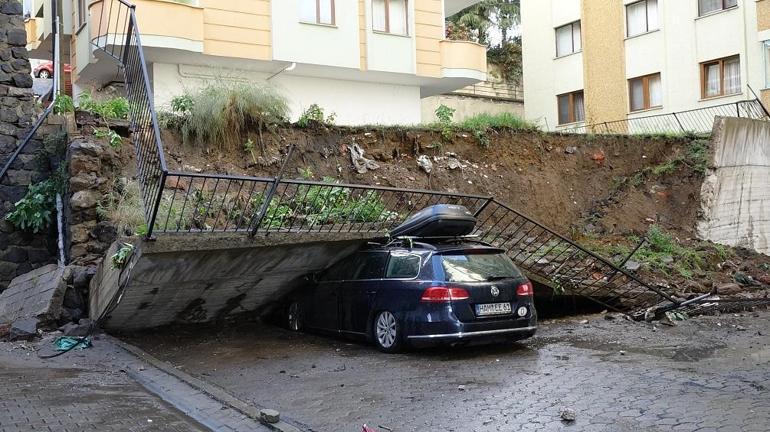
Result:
pixel 294 316
pixel 44 74
pixel 387 332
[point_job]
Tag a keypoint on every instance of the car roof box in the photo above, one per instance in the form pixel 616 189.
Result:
pixel 440 220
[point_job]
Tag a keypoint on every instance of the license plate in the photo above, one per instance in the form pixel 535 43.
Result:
pixel 493 309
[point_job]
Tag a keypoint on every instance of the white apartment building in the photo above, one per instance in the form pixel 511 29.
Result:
pixel 595 61
pixel 369 61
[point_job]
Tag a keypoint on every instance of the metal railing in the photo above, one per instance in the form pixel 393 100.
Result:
pixel 699 120
pixel 491 90
pixel 199 203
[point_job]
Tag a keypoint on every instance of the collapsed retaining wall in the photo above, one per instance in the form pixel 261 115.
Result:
pixel 736 194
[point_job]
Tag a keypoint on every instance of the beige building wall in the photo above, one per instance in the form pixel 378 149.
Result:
pixel 604 73
pixel 237 28
pixel 467 106
pixel 429 31
pixel 362 33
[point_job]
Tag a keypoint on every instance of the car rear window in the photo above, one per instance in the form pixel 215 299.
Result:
pixel 403 265
pixel 478 267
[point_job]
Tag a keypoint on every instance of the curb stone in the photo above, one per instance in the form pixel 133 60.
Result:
pixel 211 390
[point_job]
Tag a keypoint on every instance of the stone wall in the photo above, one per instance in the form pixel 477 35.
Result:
pixel 20 252
pixel 93 165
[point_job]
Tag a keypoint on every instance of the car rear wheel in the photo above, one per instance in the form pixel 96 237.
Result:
pixel 387 332
pixel 44 74
pixel 294 316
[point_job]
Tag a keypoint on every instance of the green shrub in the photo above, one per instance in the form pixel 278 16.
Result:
pixel 315 114
pixel 35 211
pixel 115 140
pixel 222 113
pixel 182 104
pixel 63 104
pixel 496 121
pixel 114 108
pixel 445 116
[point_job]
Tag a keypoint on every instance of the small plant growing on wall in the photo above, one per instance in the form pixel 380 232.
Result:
pixel 63 104
pixel 315 114
pixel 121 257
pixel 114 139
pixel 445 116
pixel 249 147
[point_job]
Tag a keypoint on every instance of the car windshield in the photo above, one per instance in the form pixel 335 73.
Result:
pixel 478 267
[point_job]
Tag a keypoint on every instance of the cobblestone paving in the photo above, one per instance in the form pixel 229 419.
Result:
pixel 707 374
pixel 81 400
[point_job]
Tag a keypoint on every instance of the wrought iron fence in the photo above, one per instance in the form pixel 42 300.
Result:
pixel 115 33
pixel 700 120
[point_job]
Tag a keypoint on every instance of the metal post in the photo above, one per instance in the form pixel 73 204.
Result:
pixel 738 109
pixel 266 203
pixel 57 65
pixel 679 122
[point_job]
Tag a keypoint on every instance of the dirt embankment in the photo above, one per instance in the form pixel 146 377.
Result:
pixel 559 180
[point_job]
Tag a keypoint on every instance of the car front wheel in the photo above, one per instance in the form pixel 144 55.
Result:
pixel 294 316
pixel 387 332
pixel 44 74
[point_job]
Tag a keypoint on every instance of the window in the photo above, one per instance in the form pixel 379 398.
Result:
pixel 709 6
pixel 478 267
pixel 571 107
pixel 342 270
pixel 82 12
pixel 645 92
pixel 721 77
pixel 403 265
pixel 317 11
pixel 641 17
pixel 372 265
pixel 390 16
pixel 568 39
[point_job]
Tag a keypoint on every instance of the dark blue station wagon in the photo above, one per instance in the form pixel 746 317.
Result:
pixel 418 293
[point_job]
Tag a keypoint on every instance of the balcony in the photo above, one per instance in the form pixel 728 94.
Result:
pixel 463 59
pixel 451 7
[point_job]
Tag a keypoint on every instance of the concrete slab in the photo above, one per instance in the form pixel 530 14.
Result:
pixel 201 278
pixel 38 294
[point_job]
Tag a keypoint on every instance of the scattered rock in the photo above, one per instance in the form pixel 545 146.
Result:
pixel 425 163
pixel 461 387
pixel 740 328
pixel 23 329
pixel 668 259
pixel 632 265
pixel 568 415
pixel 269 416
pixel 453 164
pixel 728 288
pixel 570 150
pixel 81 329
pixel 621 352
pixel 360 163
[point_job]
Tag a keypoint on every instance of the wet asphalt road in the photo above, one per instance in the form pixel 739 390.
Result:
pixel 705 374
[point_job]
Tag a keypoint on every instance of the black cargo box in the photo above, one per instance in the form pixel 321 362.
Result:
pixel 441 220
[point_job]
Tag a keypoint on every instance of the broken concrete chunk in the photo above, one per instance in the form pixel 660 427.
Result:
pixel 570 150
pixel 360 163
pixel 269 416
pixel 728 288
pixel 23 329
pixel 632 265
pixel 568 414
pixel 453 164
pixel 424 162
pixel 81 329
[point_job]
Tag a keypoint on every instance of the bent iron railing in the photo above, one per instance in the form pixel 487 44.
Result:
pixel 699 120
pixel 184 202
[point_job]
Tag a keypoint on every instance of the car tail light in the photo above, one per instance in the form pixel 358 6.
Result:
pixel 444 294
pixel 525 290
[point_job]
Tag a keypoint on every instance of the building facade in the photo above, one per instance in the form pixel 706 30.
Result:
pixel 369 61
pixel 594 61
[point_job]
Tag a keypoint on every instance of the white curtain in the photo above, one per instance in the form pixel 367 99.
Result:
pixel 576 42
pixel 398 17
pixel 732 76
pixel 378 15
pixel 712 80
pixel 580 114
pixel 307 11
pixel 652 15
pixel 326 12
pixel 706 6
pixel 563 40
pixel 637 94
pixel 656 91
pixel 636 18
pixel 563 102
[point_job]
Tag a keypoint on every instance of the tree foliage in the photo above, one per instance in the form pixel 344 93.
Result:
pixel 483 23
